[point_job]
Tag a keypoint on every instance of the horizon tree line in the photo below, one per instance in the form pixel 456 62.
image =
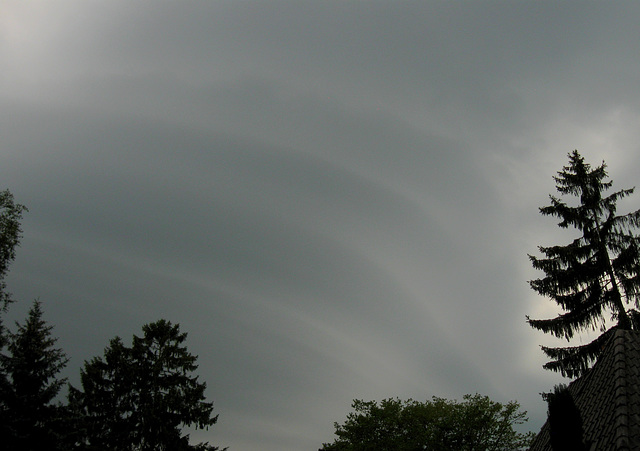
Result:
pixel 134 398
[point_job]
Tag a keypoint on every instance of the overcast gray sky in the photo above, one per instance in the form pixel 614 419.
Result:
pixel 335 199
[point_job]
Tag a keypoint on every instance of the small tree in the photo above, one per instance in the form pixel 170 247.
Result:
pixel 140 397
pixel 32 364
pixel 475 424
pixel 10 235
pixel 565 422
pixel 597 272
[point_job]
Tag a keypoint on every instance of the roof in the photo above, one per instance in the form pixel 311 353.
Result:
pixel 608 398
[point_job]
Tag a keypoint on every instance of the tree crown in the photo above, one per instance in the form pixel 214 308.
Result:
pixel 598 272
pixel 476 423
pixel 140 397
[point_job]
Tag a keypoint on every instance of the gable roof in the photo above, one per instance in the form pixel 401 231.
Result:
pixel 608 398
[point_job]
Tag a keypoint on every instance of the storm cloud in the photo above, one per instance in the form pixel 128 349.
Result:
pixel 334 199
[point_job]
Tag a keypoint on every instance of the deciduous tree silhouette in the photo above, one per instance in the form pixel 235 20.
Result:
pixel 10 235
pixel 475 424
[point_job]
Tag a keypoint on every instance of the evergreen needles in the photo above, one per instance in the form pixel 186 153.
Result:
pixel 595 274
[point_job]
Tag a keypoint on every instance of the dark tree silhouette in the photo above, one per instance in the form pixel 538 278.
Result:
pixel 10 235
pixel 475 424
pixel 598 272
pixel 30 419
pixel 565 422
pixel 140 397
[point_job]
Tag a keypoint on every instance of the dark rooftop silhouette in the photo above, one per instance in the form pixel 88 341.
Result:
pixel 608 398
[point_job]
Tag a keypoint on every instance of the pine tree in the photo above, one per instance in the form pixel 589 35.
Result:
pixel 140 397
pixel 32 364
pixel 595 274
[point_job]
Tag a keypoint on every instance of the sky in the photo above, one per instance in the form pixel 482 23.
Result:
pixel 334 199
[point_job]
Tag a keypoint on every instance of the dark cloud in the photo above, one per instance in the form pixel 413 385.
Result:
pixel 335 199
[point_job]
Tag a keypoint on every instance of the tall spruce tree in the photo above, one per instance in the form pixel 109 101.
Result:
pixel 594 279
pixel 30 418
pixel 139 398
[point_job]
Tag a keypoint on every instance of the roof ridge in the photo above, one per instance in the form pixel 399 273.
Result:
pixel 608 397
pixel 621 412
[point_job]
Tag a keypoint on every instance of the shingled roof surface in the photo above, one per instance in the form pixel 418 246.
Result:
pixel 608 398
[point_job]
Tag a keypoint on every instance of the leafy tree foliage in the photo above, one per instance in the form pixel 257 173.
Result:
pixel 140 397
pixel 29 417
pixel 10 235
pixel 598 272
pixel 475 424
